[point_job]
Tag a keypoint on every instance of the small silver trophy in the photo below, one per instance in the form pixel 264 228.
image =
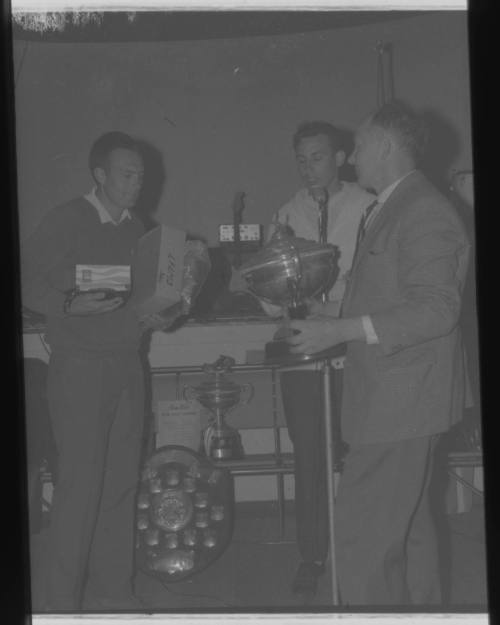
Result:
pixel 220 394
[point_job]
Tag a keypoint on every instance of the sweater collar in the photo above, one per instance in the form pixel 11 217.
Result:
pixel 102 211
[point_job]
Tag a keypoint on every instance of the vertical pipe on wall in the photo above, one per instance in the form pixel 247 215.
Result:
pixel 385 78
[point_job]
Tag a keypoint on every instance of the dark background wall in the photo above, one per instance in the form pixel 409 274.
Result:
pixel 219 113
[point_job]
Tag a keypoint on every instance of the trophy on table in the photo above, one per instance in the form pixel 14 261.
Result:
pixel 287 272
pixel 219 394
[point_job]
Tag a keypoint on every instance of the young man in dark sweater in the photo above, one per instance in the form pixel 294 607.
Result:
pixel 95 383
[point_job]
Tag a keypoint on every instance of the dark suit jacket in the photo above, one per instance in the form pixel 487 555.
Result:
pixel 408 275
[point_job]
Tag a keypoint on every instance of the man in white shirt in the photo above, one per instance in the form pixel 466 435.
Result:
pixel 404 374
pixel 319 155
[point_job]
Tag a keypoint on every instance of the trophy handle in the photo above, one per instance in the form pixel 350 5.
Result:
pixel 297 261
pixel 207 435
pixel 294 283
pixel 247 393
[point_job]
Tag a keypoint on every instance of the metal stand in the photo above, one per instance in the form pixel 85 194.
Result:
pixel 321 196
pixel 330 476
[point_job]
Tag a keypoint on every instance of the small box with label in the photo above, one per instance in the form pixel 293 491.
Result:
pixel 250 235
pixel 112 279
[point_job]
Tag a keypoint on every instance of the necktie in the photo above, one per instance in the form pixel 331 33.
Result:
pixel 359 238
pixel 362 226
pixel 320 195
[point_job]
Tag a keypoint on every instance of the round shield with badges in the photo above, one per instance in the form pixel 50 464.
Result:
pixel 184 513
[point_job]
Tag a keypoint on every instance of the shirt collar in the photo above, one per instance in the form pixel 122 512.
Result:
pixel 382 197
pixel 102 211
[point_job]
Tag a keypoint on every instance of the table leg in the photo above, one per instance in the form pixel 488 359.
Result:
pixel 330 483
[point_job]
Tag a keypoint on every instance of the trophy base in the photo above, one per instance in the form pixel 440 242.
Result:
pixel 277 352
pixel 225 453
pixel 223 445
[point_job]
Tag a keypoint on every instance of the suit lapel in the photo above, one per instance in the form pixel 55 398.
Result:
pixel 387 211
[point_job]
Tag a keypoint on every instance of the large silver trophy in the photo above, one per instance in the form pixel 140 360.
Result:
pixel 219 394
pixel 287 272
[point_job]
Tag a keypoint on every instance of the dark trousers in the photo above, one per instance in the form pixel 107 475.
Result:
pixel 97 408
pixel 302 397
pixel 386 545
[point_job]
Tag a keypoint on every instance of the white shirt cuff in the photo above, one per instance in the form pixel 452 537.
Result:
pixel 371 335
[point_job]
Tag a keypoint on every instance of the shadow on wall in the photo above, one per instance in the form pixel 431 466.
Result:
pixel 154 181
pixel 442 149
pixel 347 171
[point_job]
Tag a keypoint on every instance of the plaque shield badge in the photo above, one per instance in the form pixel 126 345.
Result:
pixel 185 510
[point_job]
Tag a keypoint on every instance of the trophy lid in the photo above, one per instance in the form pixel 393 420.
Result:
pixel 216 378
pixel 285 246
pixel 310 265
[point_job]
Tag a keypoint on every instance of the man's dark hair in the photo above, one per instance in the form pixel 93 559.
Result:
pixel 105 144
pixel 409 128
pixel 312 129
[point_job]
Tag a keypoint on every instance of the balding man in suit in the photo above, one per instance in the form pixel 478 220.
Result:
pixel 404 369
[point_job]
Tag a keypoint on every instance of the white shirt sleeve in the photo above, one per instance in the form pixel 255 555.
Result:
pixel 371 335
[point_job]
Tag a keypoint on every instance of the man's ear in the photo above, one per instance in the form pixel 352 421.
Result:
pixel 100 175
pixel 340 157
pixel 387 146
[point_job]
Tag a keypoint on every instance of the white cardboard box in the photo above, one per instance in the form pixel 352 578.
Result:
pixel 158 270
